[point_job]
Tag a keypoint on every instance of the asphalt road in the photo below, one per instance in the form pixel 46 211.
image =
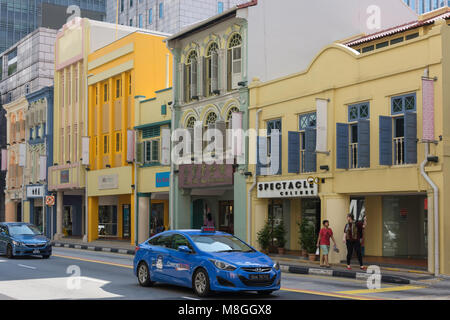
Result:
pixel 83 274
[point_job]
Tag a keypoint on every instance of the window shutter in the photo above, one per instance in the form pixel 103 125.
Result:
pixel 293 152
pixel 229 70
pixel 261 161
pixel 236 66
pixel 275 156
pixel 222 127
pixel 165 147
pixel 204 85
pixel 385 141
pixel 342 150
pixel 181 70
pixel 363 144
pixel 310 149
pixel 197 147
pixel 410 137
pixel 214 72
pixel 194 92
pixel 140 153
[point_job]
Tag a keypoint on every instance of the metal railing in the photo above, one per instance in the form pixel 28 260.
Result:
pixel 353 149
pixel 399 151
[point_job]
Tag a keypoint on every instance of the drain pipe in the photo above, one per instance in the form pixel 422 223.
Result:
pixel 249 196
pixel 435 208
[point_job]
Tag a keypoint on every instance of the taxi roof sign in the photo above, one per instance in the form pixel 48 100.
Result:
pixel 208 229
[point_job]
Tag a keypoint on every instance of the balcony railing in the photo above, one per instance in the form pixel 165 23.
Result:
pixel 353 149
pixel 399 151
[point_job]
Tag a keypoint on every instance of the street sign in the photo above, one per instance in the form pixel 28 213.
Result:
pixel 50 200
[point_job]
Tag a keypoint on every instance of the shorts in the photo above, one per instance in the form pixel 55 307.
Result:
pixel 325 249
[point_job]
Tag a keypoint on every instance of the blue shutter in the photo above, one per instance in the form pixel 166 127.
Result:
pixel 385 141
pixel 293 152
pixel 363 144
pixel 279 160
pixel 261 154
pixel 310 150
pixel 342 146
pixel 410 137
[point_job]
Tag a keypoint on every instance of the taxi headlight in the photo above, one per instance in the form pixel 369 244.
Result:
pixel 276 266
pixel 223 265
pixel 18 243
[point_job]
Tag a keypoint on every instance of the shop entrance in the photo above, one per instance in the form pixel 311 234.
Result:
pixel 19 212
pixel 311 212
pixel 157 218
pixel 67 221
pixel 197 214
pixel 38 220
pixel 226 216
pixel 405 227
pixel 107 221
pixel 126 226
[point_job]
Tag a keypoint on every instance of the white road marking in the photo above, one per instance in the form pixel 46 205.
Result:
pixel 190 298
pixel 55 288
pixel 25 266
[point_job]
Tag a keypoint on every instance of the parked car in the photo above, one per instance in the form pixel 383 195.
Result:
pixel 23 239
pixel 205 260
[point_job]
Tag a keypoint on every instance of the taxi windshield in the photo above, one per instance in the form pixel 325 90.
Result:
pixel 23 229
pixel 219 243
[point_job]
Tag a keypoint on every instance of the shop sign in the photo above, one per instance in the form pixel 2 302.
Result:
pixel 64 176
pixel 110 181
pixel 162 179
pixel 287 189
pixel 205 175
pixel 35 192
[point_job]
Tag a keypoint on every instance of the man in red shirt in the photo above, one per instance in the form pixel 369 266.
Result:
pixel 324 242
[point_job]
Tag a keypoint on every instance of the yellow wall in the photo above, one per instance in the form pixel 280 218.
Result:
pixel 124 178
pixel 345 77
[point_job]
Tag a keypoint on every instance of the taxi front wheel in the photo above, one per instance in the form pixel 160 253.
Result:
pixel 143 275
pixel 200 283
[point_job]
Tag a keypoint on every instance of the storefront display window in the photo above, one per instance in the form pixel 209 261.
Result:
pixel 38 218
pixel 311 213
pixel 107 221
pixel 404 227
pixel 226 216
pixel 157 218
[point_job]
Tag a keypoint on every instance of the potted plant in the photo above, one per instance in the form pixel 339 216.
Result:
pixel 264 237
pixel 308 239
pixel 279 234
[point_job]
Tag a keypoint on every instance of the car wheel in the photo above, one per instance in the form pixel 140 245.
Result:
pixel 46 256
pixel 200 283
pixel 9 252
pixel 265 292
pixel 143 275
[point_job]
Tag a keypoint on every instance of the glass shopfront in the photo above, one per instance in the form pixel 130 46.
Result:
pixel 38 218
pixel 311 212
pixel 226 216
pixel 405 226
pixel 157 218
pixel 107 221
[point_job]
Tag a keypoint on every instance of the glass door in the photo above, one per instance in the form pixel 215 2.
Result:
pixel 107 221
pixel 126 227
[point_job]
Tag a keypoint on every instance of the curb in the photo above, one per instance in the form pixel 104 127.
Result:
pixel 343 274
pixel 92 248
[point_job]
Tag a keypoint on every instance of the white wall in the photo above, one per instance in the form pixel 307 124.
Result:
pixel 290 33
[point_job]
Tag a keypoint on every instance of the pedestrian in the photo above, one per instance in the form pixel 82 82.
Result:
pixel 324 242
pixel 209 221
pixel 353 233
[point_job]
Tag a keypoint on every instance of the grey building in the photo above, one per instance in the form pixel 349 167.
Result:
pixel 169 16
pixel 20 17
pixel 424 6
pixel 25 67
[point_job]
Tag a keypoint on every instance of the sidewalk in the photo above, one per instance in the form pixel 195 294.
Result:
pixel 289 264
pixel 301 265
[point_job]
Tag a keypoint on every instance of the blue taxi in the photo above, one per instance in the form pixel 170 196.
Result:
pixel 205 260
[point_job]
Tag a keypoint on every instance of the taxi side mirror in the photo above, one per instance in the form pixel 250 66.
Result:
pixel 184 249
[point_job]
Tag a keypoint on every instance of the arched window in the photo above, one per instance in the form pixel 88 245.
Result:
pixel 234 61
pixel 190 123
pixel 232 110
pixel 212 69
pixel 190 89
pixel 211 119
